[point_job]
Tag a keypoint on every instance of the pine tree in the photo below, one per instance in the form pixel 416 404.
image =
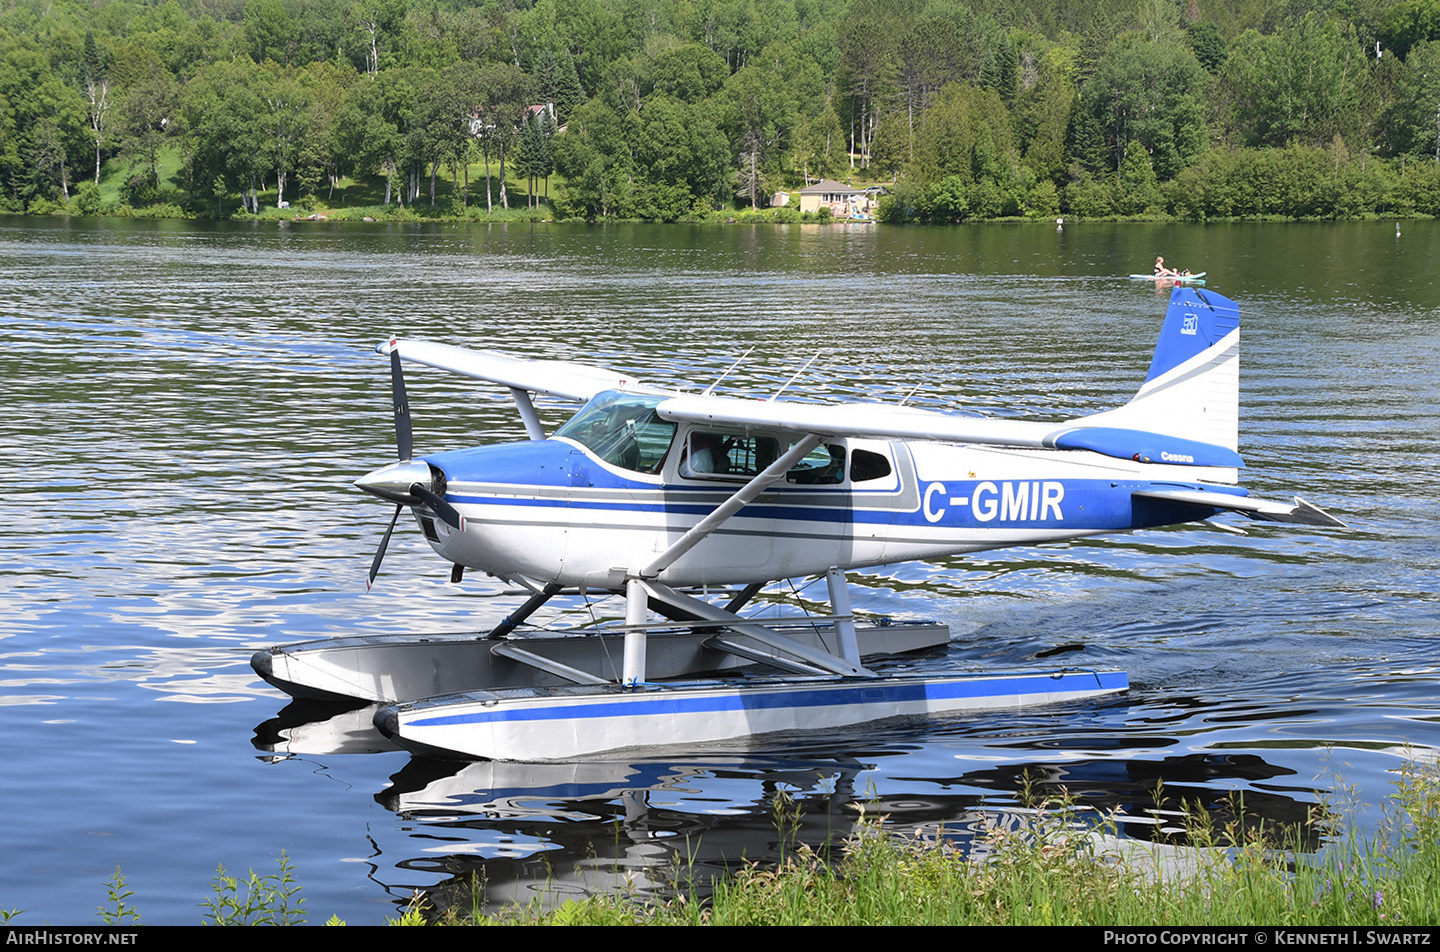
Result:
pixel 568 92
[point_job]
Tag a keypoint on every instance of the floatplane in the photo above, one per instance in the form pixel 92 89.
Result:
pixel 688 504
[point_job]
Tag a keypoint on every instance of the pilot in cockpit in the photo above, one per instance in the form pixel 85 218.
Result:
pixel 706 455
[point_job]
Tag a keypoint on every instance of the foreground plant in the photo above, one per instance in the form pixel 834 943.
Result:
pixel 1052 863
pixel 1046 862
pixel 269 900
pixel 119 912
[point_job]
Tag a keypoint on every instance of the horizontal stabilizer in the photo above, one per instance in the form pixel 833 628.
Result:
pixel 1265 510
pixel 552 377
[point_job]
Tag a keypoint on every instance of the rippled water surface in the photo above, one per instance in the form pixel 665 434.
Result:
pixel 186 406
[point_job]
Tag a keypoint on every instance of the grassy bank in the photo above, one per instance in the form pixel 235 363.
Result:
pixel 1059 866
pixel 460 199
pixel 1048 863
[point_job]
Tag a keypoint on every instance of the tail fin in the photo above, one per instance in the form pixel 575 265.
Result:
pixel 1193 387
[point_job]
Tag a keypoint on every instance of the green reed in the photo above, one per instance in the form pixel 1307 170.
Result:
pixel 1053 863
pixel 1049 862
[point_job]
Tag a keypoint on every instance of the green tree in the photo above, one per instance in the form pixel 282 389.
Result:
pixel 820 146
pixel 95 89
pixel 374 32
pixel 269 31
pixel 321 156
pixel 1142 92
pixel 149 110
pixel 452 117
pixel 284 117
pixel 1042 110
pixel 764 101
pixel 43 122
pixel 949 138
pixel 1208 46
pixel 1410 125
pixel 1303 83
pixel 533 158
pixel 1409 23
pixel 868 40
pixel 58 140
pixel 688 73
pixel 594 158
pixel 930 52
pixel 568 92
pixel 373 125
pixel 680 158
pixel 504 93
pixel 229 147
pixel 1139 188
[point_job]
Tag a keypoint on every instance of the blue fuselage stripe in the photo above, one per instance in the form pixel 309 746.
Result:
pixel 1064 505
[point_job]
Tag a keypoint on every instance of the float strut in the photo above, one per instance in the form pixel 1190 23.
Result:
pixel 518 616
pixel 637 610
pixel 844 621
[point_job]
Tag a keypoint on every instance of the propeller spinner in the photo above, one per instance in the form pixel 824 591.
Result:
pixel 408 482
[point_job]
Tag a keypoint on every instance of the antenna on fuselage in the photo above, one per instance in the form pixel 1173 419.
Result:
pixel 796 376
pixel 911 393
pixel 710 389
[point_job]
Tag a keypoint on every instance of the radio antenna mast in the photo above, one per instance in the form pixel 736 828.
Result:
pixel 797 374
pixel 727 371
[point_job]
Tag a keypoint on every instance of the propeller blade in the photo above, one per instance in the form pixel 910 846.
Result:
pixel 403 440
pixel 447 513
pixel 380 553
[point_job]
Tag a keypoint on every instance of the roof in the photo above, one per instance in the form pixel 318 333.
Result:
pixel 827 187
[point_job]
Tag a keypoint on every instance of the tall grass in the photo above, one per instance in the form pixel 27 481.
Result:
pixel 1055 864
pixel 1049 862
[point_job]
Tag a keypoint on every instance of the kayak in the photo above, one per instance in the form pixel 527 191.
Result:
pixel 1178 278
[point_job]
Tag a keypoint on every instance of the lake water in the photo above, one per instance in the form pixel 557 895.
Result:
pixel 187 404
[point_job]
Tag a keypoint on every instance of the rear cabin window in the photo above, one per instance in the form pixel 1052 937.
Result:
pixel 865 465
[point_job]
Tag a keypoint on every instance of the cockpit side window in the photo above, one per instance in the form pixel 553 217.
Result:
pixel 623 430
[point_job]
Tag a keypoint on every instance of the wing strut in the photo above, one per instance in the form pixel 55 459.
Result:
pixel 533 429
pixel 743 497
pixel 642 585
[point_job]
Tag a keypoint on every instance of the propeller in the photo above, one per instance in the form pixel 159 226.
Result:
pixel 403 440
pixel 404 444
pixel 380 552
pixel 406 482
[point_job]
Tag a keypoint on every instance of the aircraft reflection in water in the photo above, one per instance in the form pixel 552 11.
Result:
pixel 530 832
pixel 665 498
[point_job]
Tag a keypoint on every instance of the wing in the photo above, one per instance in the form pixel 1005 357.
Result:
pixel 879 421
pixel 557 378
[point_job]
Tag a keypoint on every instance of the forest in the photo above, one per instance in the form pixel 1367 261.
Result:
pixel 687 109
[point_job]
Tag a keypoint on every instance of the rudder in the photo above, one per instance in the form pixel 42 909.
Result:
pixel 1195 321
pixel 1193 387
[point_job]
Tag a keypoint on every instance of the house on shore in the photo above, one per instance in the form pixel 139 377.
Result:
pixel 842 200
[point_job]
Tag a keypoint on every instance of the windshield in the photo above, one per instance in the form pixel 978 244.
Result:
pixel 623 430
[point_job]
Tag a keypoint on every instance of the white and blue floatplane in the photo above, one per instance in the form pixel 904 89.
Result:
pixel 665 498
